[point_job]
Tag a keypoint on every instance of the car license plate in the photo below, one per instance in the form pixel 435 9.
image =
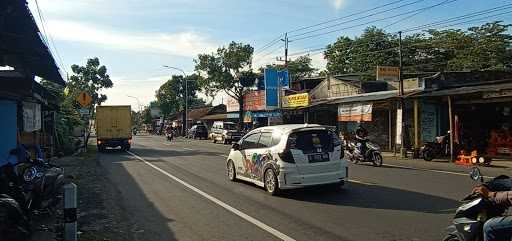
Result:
pixel 324 157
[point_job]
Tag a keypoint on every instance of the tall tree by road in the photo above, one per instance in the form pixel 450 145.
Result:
pixel 297 69
pixel 482 47
pixel 170 95
pixel 225 69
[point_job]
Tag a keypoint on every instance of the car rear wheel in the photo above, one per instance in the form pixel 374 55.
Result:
pixel 231 171
pixel 271 183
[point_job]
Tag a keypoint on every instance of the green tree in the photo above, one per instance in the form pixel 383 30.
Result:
pixel 297 69
pixel 170 96
pixel 374 47
pixel 225 69
pixel 91 78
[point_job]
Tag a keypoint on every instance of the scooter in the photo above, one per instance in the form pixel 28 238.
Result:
pixel 471 216
pixel 431 150
pixel 372 153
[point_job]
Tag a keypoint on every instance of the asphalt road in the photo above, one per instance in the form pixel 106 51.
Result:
pixel 179 191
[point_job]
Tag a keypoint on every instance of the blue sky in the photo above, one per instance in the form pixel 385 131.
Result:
pixel 134 38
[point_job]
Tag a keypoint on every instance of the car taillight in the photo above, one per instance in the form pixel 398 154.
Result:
pixel 287 156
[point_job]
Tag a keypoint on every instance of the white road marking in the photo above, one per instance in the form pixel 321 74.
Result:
pixel 235 211
pixel 431 170
pixel 167 144
pixel 188 149
pixel 361 182
pixel 223 156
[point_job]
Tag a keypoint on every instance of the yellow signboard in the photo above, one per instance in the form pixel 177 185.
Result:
pixel 297 100
pixel 388 73
pixel 84 99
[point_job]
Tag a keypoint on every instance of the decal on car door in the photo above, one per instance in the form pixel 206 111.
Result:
pixel 254 163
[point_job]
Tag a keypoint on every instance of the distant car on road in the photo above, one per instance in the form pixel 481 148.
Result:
pixel 225 132
pixel 288 156
pixel 198 131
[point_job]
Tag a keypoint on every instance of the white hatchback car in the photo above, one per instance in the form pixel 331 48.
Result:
pixel 288 156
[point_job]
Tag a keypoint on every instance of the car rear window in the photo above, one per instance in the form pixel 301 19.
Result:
pixel 201 128
pixel 311 141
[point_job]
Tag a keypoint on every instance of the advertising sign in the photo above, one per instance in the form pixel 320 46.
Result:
pixel 355 112
pixel 232 105
pixel 284 79
pixel 248 117
pixel 297 100
pixel 254 100
pixel 388 73
pixel 271 88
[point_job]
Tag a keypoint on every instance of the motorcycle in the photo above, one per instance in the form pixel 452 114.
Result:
pixel 471 216
pixel 372 153
pixel 431 150
pixel 14 224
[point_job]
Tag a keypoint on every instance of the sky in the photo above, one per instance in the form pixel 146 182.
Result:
pixel 135 38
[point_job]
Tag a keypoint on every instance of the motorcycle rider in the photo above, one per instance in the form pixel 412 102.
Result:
pixel 498 228
pixel 361 139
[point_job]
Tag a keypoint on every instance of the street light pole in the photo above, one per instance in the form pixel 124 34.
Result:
pixel 185 96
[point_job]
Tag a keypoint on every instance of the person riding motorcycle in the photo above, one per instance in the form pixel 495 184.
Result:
pixel 498 228
pixel 361 139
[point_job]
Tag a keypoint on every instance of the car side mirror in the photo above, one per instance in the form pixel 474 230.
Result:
pixel 236 146
pixel 475 174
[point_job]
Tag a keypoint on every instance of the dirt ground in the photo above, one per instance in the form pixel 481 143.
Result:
pixel 101 216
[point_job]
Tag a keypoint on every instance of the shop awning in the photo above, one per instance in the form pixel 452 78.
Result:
pixel 467 90
pixel 215 117
pixel 22 46
pixel 366 97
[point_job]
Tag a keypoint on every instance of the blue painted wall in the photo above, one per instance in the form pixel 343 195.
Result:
pixel 8 129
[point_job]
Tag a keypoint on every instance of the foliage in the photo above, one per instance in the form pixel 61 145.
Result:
pixel 478 48
pixel 91 78
pixel 297 68
pixel 170 97
pixel 224 70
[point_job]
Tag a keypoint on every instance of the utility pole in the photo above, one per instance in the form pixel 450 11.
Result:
pixel 403 151
pixel 185 95
pixel 286 50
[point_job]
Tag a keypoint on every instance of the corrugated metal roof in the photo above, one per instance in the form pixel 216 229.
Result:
pixel 465 90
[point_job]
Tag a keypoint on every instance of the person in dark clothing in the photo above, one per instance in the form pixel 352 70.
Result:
pixel 361 139
pixel 498 228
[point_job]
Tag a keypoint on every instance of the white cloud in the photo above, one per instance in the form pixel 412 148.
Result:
pixel 338 4
pixel 143 89
pixel 187 44
pixel 318 61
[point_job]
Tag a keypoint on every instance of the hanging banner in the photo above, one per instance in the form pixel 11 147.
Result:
pixel 399 127
pixel 297 100
pixel 355 112
pixel 271 88
pixel 31 116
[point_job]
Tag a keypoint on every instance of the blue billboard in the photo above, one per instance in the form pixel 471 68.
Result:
pixel 271 88
pixel 284 79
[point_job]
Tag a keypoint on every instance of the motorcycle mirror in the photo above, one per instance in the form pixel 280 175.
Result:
pixel 475 174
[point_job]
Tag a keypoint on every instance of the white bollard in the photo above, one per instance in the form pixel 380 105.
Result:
pixel 70 226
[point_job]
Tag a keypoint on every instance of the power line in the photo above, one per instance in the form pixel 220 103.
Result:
pixel 408 17
pixel 45 37
pixel 356 19
pixel 429 25
pixel 373 21
pixel 268 45
pixel 347 16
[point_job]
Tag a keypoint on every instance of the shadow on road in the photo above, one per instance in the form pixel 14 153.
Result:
pixel 159 153
pixel 375 197
pixel 149 223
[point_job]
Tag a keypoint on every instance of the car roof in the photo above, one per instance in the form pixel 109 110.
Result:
pixel 288 127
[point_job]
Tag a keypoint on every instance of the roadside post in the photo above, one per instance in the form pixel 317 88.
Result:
pixel 85 100
pixel 70 215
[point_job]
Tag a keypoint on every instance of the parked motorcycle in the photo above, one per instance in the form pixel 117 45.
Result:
pixel 471 216
pixel 372 153
pixel 431 150
pixel 14 224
